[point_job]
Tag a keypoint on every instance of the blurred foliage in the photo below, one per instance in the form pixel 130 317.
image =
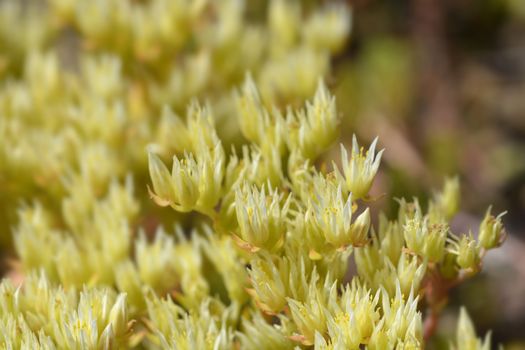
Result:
pixel 442 84
pixel 391 79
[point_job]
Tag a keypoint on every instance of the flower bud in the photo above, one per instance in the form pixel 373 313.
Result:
pixel 261 218
pixel 468 253
pixel 449 198
pixel 184 173
pixel 410 272
pixel 118 316
pixel 415 232
pixel 360 228
pixel 161 179
pixel 313 129
pixel 269 288
pixel 284 22
pixel 466 334
pixel 491 231
pixel 434 248
pixel 330 215
pixel 328 28
pixel 310 317
pixel 251 111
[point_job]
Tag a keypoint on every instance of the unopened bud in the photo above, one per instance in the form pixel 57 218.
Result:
pixel 360 228
pixel 118 316
pixel 450 197
pixel 161 179
pixel 491 231
pixel 435 242
pixel 468 253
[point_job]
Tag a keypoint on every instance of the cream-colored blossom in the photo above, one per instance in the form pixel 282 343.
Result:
pixel 262 216
pixel 311 130
pixel 359 171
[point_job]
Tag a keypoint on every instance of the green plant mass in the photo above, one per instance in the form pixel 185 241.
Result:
pixel 170 179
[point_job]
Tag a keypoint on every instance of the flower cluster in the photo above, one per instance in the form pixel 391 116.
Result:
pixel 84 84
pixel 296 232
pixel 258 256
pixel 43 316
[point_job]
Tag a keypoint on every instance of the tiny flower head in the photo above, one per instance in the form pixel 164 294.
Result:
pixel 491 231
pixel 261 215
pixel 360 170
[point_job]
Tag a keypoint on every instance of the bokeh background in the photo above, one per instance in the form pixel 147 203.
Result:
pixel 442 83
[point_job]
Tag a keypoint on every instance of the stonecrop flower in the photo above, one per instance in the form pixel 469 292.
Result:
pixel 425 239
pixel 491 231
pixel 360 169
pixel 93 318
pixel 468 253
pixel 331 215
pixel 312 130
pixel 195 182
pixel 262 216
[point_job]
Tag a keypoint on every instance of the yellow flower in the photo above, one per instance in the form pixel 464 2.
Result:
pixel 262 216
pixel 491 231
pixel 360 170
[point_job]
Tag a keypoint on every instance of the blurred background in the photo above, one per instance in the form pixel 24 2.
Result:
pixel 442 83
